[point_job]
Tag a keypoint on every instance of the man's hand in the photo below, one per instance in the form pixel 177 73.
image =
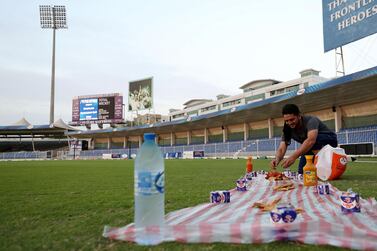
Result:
pixel 274 163
pixel 279 155
pixel 288 162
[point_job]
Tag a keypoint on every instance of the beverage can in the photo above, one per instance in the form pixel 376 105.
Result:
pixel 323 189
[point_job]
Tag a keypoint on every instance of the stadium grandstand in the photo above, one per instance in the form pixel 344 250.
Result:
pixel 231 126
pixel 347 104
pixel 22 140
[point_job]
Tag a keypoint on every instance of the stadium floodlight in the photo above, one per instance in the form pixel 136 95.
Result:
pixel 53 17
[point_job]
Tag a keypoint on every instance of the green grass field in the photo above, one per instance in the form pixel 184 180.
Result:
pixel 64 205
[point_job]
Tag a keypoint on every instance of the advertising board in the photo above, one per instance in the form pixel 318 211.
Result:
pixel 140 95
pixel 345 21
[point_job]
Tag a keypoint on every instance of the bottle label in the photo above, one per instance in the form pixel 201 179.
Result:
pixel 310 177
pixel 149 183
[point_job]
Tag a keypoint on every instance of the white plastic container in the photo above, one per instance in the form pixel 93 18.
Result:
pixel 149 192
pixel 331 162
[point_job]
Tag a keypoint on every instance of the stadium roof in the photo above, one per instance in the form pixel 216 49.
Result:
pixel 193 102
pixel 255 82
pixel 24 129
pixel 22 122
pixel 350 89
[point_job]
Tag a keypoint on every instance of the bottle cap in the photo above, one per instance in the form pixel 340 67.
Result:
pixel 149 136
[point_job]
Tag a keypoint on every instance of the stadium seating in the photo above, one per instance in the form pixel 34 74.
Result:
pixel 358 135
pixel 23 155
pixel 267 147
pixel 255 147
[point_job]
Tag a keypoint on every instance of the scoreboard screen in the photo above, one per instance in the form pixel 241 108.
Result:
pixel 97 109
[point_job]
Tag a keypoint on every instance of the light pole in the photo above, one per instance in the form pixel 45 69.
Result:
pixel 53 17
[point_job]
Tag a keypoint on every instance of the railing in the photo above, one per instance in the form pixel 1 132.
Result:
pixel 258 147
pixel 23 155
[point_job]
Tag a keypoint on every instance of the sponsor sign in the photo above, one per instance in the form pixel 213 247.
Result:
pixel 345 21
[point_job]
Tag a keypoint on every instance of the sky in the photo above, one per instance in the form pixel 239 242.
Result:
pixel 192 49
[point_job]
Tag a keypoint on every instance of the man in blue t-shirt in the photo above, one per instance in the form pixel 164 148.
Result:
pixel 308 130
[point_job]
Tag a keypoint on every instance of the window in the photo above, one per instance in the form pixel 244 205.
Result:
pixel 178 115
pixel 305 74
pixel 233 102
pixel 292 88
pixel 209 108
pixel 280 91
pixel 255 97
pixel 277 92
pixel 284 90
pixel 193 113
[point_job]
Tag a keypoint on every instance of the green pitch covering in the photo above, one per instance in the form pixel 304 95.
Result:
pixel 64 205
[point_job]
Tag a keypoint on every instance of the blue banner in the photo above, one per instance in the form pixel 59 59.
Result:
pixel 345 21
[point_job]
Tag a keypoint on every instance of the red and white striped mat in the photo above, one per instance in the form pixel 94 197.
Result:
pixel 321 222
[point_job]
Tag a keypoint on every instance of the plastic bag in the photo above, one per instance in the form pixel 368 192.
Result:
pixel 330 162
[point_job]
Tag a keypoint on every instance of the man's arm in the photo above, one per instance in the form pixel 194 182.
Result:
pixel 279 154
pixel 304 148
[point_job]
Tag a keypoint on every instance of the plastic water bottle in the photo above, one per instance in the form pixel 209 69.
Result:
pixel 149 192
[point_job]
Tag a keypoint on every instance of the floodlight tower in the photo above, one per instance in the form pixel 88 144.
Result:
pixel 53 17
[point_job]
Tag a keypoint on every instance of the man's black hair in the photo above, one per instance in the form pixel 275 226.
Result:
pixel 291 109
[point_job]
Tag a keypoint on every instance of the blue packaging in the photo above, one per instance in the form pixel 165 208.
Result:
pixel 283 213
pixel 323 189
pixel 241 184
pixel 249 176
pixel 292 174
pixel 220 197
pixel 252 174
pixel 350 202
pixel 261 172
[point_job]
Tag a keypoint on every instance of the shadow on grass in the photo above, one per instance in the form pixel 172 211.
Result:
pixel 281 246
